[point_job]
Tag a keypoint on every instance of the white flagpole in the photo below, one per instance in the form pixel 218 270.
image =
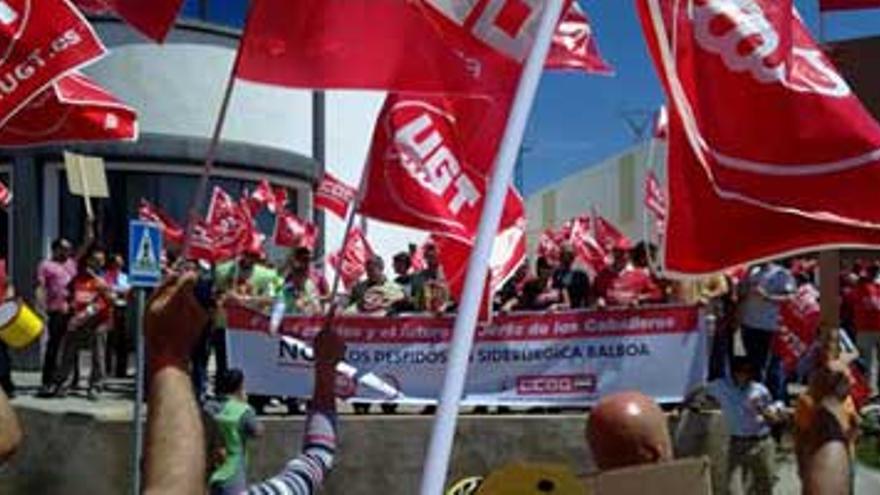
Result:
pixel 442 436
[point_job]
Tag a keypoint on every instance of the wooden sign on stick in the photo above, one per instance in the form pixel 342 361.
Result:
pixel 86 177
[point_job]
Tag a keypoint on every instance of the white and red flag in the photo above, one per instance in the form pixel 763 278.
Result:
pixel 171 230
pixel 587 248
pixel 230 223
pixel 574 45
pixel 73 109
pixel 430 162
pixel 437 46
pixel 265 196
pixel 5 196
pixel 153 18
pixel 334 196
pixel 832 5
pixel 744 73
pixel 204 245
pixel 351 262
pixel 607 235
pixel 655 200
pixel 40 41
pixel 291 231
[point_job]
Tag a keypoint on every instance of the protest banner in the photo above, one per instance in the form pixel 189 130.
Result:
pixel 567 358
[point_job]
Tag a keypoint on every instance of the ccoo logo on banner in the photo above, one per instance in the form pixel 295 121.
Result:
pixel 570 358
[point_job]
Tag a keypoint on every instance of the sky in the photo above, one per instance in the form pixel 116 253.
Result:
pixel 579 120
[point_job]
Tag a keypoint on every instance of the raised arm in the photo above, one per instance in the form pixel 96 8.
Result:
pixel 175 444
pixel 304 475
pixel 10 430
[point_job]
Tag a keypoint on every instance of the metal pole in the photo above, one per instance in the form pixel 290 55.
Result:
pixel 138 444
pixel 442 436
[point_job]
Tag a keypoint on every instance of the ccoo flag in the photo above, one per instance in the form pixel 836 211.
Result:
pixel 435 46
pixel 736 81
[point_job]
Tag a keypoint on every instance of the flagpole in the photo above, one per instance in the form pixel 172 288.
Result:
pixel 646 215
pixel 442 436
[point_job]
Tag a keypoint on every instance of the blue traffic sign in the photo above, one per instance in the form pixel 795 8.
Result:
pixel 144 254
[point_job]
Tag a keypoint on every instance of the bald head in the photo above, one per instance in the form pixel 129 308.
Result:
pixel 627 429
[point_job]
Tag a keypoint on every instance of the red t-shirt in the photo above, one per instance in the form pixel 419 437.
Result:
pixel 88 290
pixel 633 285
pixel 866 306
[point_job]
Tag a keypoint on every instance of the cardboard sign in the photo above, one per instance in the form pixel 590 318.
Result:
pixel 86 176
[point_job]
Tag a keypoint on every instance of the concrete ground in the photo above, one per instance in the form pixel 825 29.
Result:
pixel 116 405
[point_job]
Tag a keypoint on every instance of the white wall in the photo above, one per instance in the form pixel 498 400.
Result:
pixel 617 193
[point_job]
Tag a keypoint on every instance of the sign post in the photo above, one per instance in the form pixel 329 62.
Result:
pixel 145 271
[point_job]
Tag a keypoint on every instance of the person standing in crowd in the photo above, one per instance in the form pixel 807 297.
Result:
pixel 7 293
pixel 509 296
pixel 402 264
pixel 765 290
pixel 430 291
pixel 539 294
pixel 244 281
pixel 301 296
pixel 635 284
pixel 574 281
pixel 607 276
pixel 237 422
pixel 866 319
pixel 175 464
pixel 91 300
pixel 118 339
pixel 749 412
pixel 377 294
pixel 53 278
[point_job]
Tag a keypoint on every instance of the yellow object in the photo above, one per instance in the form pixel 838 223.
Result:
pixel 19 324
pixel 532 479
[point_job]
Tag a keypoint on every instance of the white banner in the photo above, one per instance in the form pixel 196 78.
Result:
pixel 569 358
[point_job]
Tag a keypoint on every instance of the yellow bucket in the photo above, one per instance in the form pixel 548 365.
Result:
pixel 19 325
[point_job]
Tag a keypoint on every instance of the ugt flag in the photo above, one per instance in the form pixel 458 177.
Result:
pixel 171 230
pixel 73 109
pixel 769 119
pixel 40 41
pixel 153 18
pixel 430 162
pixel 230 223
pixel 445 46
pixel 351 262
pixel 291 232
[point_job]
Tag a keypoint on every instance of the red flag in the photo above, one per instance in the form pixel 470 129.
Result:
pixel 204 245
pixel 5 196
pixel 430 162
pixel 352 261
pixel 171 230
pixel 655 200
pixel 607 235
pixel 708 234
pixel 230 223
pixel 153 18
pixel 732 59
pixel 438 46
pixel 587 248
pixel 508 253
pixel 574 45
pixel 74 108
pixel 661 123
pixel 40 42
pixel 830 5
pixel 264 196
pixel 334 195
pixel 290 231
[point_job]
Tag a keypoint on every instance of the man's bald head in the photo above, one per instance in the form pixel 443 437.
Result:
pixel 627 429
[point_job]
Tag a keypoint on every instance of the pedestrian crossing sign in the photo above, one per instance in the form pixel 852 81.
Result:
pixel 144 254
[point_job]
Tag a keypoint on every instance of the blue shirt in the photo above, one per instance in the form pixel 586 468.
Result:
pixel 742 406
pixel 758 311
